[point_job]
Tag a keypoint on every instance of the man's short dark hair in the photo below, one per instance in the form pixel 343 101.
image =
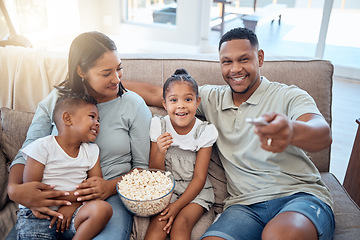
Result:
pixel 240 33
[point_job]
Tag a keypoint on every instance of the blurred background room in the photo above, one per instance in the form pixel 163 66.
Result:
pixel 324 29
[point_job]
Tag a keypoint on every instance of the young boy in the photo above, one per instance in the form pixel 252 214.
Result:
pixel 65 161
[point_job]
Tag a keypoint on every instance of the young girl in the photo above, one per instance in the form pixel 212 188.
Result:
pixel 182 144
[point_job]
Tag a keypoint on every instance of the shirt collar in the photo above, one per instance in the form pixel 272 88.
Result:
pixel 254 99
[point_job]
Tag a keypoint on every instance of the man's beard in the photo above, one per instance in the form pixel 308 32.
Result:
pixel 242 92
pixel 246 90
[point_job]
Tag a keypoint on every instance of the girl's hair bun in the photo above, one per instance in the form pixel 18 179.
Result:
pixel 181 71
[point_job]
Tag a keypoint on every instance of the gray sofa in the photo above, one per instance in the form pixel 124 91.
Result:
pixel 28 75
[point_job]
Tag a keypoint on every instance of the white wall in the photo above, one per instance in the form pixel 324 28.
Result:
pixel 90 14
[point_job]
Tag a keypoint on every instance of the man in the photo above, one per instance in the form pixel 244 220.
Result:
pixel 275 190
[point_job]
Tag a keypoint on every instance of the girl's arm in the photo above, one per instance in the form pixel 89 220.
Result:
pixel 158 151
pixel 157 159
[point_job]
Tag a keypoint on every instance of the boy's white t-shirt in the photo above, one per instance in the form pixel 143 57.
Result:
pixel 188 141
pixel 61 170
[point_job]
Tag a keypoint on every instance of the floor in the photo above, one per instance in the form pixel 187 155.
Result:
pixel 345 111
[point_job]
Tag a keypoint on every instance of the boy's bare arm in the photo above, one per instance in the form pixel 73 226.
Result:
pixel 32 194
pixel 149 92
pixel 33 170
pixel 95 171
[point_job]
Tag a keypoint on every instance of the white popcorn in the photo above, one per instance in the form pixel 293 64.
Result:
pixel 144 190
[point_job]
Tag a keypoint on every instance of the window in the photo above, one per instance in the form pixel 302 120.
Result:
pixel 152 11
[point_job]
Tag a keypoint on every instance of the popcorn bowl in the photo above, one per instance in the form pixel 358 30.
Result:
pixel 146 192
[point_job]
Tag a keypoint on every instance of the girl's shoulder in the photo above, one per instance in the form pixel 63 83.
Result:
pixel 157 119
pixel 205 132
pixel 205 125
pixel 160 122
pixel 157 127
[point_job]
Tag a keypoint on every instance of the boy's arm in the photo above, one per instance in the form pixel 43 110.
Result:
pixel 149 92
pixel 33 170
pixel 34 195
pixel 96 170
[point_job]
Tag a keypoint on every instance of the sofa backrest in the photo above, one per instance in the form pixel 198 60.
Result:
pixel 312 75
pixel 28 75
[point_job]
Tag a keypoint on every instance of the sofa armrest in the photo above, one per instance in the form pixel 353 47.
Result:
pixel 352 179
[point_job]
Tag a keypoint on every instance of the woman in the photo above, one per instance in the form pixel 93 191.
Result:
pixel 94 67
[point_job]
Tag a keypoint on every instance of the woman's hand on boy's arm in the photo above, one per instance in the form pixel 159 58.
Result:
pixel 95 188
pixel 36 196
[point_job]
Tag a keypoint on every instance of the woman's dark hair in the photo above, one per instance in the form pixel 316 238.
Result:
pixel 84 51
pixel 180 75
pixel 240 33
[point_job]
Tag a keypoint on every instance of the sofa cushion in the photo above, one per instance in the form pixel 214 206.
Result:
pixel 3 181
pixel 14 126
pixel 347 214
pixel 217 178
pixel 7 219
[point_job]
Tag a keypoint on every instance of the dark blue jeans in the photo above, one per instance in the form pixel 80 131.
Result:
pixel 247 222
